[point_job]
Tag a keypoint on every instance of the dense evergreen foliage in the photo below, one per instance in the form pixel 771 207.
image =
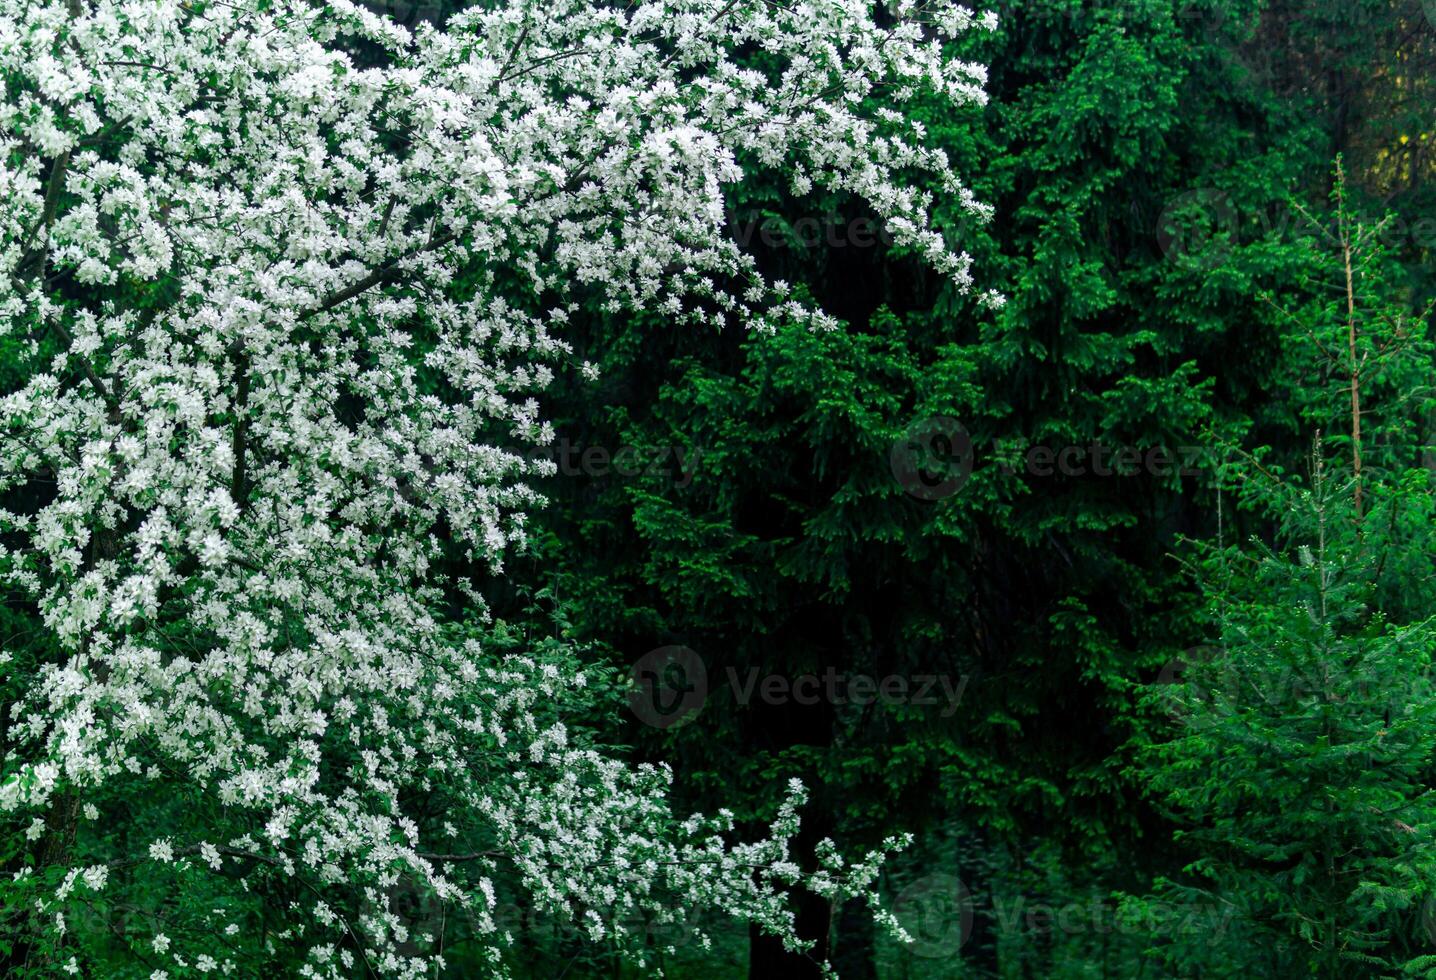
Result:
pixel 1121 598
pixel 1164 174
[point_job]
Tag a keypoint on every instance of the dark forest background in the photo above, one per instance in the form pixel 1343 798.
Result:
pixel 1145 558
pixel 1169 233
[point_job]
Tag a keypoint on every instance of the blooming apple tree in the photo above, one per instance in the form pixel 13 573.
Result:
pixel 281 277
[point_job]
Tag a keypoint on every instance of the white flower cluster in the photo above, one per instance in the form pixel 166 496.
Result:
pixel 281 308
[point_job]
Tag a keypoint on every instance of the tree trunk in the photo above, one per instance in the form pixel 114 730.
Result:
pixel 773 728
pixel 854 954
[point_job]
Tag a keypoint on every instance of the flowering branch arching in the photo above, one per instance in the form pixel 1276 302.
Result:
pixel 287 276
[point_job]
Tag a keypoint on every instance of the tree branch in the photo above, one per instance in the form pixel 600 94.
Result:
pixel 238 482
pixel 388 272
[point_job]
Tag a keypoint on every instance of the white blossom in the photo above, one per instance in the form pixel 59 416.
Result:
pixel 283 309
pixel 210 853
